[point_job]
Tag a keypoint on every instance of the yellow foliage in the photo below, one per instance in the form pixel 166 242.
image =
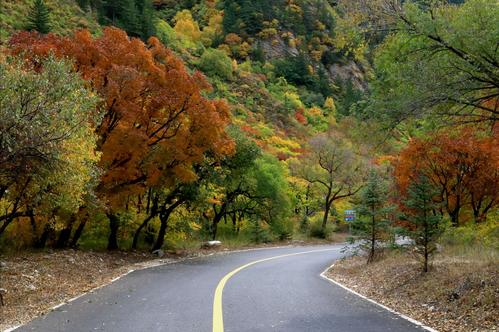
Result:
pixel 330 105
pixel 225 48
pixel 314 112
pixel 186 27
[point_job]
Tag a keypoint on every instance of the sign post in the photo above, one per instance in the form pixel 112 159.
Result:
pixel 349 218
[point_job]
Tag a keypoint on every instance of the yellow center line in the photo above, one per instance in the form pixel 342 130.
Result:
pixel 218 321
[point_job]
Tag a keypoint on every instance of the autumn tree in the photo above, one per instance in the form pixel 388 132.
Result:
pixel 462 165
pixel 424 220
pixel 331 166
pixel 157 123
pixel 47 141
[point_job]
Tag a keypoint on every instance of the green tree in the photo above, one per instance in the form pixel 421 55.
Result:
pixel 47 141
pixel 373 208
pixel 248 183
pixel 332 168
pixel 425 222
pixel 216 63
pixel 39 17
pixel 442 61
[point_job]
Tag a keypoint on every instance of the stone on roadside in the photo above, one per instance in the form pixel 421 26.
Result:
pixel 158 253
pixel 211 244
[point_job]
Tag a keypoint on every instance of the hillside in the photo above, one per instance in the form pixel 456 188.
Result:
pixel 66 17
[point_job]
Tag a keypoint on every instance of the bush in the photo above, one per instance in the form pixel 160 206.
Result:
pixel 259 234
pixel 471 235
pixel 216 63
pixel 315 228
pixel 283 230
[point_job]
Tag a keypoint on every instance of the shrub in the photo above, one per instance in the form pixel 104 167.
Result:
pixel 216 63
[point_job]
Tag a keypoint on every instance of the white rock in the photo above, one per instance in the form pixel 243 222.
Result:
pixel 210 244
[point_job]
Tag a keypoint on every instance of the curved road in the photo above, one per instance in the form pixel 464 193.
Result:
pixel 281 294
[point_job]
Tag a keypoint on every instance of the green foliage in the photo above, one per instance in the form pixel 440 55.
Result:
pixel 258 234
pixel 133 16
pixel 371 225
pixel 425 222
pixel 298 70
pixel 167 35
pixel 39 17
pixel 216 63
pixel 246 17
pixel 47 158
pixel 473 236
pixel 413 75
pixel 66 16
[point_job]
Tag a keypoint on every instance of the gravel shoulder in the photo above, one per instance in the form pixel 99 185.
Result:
pixel 458 294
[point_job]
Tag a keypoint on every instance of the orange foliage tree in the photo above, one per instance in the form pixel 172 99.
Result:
pixel 157 124
pixel 463 166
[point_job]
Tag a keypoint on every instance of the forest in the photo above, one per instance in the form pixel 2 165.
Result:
pixel 147 126
pixel 144 124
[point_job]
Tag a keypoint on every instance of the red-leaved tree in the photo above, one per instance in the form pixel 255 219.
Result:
pixel 157 123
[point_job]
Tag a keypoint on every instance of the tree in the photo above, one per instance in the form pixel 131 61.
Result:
pixel 462 165
pixel 216 63
pixel 231 182
pixel 47 141
pixel 331 166
pixel 373 208
pixel 39 17
pixel 248 183
pixel 157 123
pixel 442 60
pixel 424 221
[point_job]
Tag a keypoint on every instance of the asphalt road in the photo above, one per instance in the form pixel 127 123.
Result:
pixel 282 294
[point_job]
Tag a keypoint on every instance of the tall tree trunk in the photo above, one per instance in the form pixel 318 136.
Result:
pixel 454 217
pixel 112 243
pixel 8 219
pixel 370 259
pixel 327 207
pixel 42 240
pixel 65 234
pixel 160 240
pixel 216 219
pixel 78 232
pixel 214 226
pixel 164 216
pixel 137 232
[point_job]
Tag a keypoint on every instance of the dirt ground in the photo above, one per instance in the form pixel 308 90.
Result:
pixel 458 294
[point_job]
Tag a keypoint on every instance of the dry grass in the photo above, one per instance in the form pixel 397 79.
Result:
pixel 460 293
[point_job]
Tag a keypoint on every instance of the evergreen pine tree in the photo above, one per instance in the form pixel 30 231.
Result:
pixel 145 18
pixel 231 20
pixel 372 209
pixel 38 18
pixel 425 221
